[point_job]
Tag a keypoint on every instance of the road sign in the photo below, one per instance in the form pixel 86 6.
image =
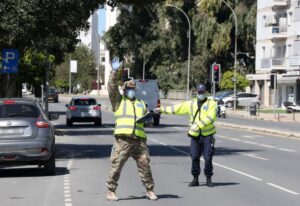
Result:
pixel 73 66
pixel 10 61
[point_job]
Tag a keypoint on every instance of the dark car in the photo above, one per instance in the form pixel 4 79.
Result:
pixel 53 95
pixel 26 134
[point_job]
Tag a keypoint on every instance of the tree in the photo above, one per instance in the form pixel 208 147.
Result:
pixel 86 69
pixel 228 84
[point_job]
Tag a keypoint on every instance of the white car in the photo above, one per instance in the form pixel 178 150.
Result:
pixel 244 99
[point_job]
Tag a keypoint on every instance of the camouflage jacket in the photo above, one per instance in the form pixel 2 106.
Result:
pixel 113 91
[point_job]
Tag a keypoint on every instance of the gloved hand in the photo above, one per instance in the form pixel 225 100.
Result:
pixel 156 110
pixel 115 64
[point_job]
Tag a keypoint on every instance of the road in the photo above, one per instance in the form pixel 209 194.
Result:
pixel 250 169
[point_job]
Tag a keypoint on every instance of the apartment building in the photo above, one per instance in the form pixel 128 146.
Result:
pixel 277 51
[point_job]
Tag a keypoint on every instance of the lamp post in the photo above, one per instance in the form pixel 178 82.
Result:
pixel 235 50
pixel 189 50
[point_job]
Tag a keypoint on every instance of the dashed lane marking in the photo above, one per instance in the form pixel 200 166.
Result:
pixel 282 188
pixel 231 169
pixel 67 187
pixel 254 143
pixel 254 156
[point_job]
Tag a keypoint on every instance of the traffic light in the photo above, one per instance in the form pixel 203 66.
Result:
pixel 125 75
pixel 216 73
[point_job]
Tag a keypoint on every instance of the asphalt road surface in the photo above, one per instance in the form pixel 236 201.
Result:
pixel 249 169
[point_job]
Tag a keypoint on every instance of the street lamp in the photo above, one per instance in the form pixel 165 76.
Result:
pixel 235 50
pixel 189 50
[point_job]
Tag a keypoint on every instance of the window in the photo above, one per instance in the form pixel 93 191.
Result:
pixel 84 102
pixel 264 21
pixel 19 111
pixel 102 59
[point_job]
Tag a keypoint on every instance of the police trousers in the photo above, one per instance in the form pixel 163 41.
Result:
pixel 122 149
pixel 202 146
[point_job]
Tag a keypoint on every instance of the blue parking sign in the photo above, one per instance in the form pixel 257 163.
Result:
pixel 10 61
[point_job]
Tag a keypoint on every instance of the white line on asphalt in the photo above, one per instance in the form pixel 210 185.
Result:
pixel 179 128
pixel 225 167
pixel 249 136
pixel 67 189
pixel 254 143
pixel 282 188
pixel 233 170
pixel 254 156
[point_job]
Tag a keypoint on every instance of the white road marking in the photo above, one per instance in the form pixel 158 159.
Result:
pixel 179 128
pixel 282 188
pixel 67 189
pixel 254 143
pixel 231 169
pixel 249 136
pixel 254 156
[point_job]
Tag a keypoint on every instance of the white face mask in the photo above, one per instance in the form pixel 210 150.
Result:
pixel 201 96
pixel 130 93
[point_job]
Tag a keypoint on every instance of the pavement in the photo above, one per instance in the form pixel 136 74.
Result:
pixel 284 124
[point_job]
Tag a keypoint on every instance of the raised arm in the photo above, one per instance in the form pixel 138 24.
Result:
pixel 113 91
pixel 181 109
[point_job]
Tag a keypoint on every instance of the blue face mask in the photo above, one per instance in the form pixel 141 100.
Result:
pixel 130 93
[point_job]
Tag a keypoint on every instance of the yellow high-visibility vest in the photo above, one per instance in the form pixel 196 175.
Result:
pixel 204 121
pixel 126 115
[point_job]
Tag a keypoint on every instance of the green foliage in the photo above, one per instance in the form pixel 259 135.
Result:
pixel 228 84
pixel 86 72
pixel 160 40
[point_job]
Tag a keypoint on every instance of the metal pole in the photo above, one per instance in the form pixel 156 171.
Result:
pixel 98 80
pixel 235 50
pixel 47 86
pixel 144 67
pixel 189 51
pixel 70 75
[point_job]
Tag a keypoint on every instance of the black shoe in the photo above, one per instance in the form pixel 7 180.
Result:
pixel 194 183
pixel 209 182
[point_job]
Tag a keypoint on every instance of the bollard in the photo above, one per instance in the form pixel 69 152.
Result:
pixel 278 117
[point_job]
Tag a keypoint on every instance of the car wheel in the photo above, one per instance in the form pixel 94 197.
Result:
pixel 69 122
pixel 229 104
pixel 49 165
pixel 98 122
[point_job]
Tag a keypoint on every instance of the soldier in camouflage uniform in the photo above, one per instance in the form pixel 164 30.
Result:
pixel 130 138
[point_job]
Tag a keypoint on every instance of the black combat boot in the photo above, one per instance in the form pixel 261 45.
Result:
pixel 209 182
pixel 195 182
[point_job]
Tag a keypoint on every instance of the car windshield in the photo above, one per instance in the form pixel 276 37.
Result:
pixel 52 91
pixel 84 102
pixel 19 111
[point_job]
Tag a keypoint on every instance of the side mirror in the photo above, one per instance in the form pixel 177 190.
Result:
pixel 53 116
pixel 67 105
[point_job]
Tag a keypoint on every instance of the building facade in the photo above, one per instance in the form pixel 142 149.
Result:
pixel 90 38
pixel 277 51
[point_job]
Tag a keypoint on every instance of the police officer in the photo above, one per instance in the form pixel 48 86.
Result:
pixel 202 112
pixel 130 137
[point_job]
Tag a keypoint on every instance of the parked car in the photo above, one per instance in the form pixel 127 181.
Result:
pixel 53 95
pixel 83 109
pixel 26 134
pixel 147 90
pixel 244 99
pixel 222 94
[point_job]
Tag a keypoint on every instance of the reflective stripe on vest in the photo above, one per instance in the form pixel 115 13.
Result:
pixel 125 118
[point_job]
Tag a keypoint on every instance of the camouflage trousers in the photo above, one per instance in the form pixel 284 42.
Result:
pixel 124 148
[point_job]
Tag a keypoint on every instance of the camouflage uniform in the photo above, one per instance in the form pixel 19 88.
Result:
pixel 124 147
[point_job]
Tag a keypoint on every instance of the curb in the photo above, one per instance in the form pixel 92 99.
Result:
pixel 258 129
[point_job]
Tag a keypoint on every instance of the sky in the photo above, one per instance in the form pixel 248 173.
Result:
pixel 101 21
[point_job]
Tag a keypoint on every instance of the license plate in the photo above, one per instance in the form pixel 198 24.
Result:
pixel 16 131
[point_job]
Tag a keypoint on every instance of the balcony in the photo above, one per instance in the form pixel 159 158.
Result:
pixel 294 61
pixel 280 31
pixel 273 62
pixel 280 2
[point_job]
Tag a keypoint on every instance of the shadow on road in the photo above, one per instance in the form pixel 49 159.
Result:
pixel 88 151
pixel 162 196
pixel 30 172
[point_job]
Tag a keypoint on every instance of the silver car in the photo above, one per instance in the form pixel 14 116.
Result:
pixel 26 134
pixel 83 109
